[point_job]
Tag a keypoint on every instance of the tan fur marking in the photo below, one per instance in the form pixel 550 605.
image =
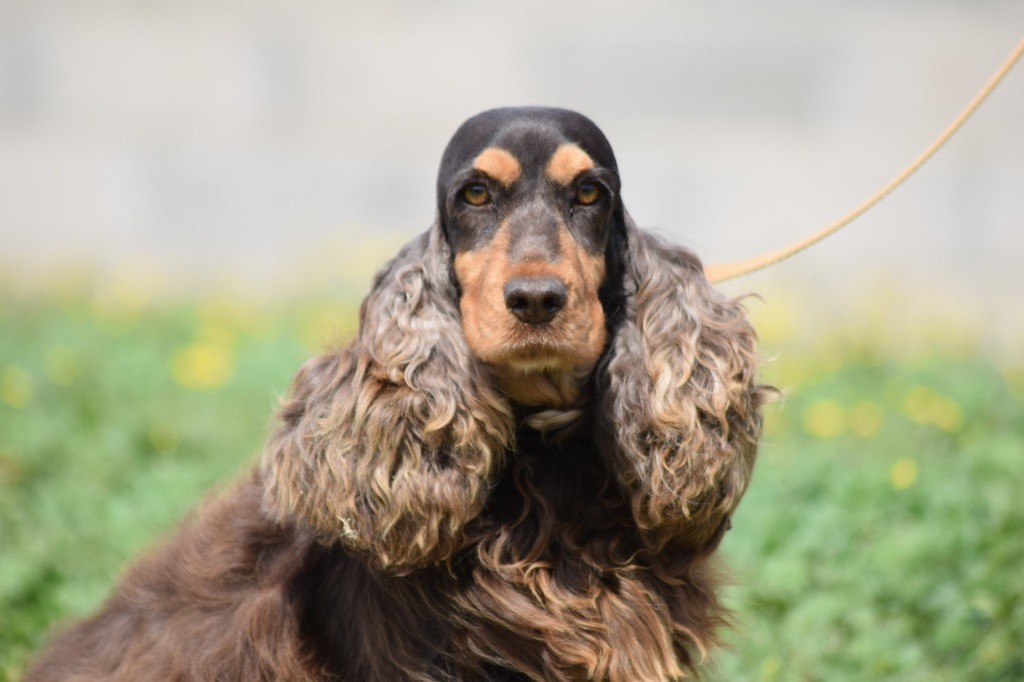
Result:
pixel 567 162
pixel 588 271
pixel 483 305
pixel 550 388
pixel 499 164
pixel 574 339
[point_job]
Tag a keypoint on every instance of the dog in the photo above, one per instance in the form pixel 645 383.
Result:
pixel 518 469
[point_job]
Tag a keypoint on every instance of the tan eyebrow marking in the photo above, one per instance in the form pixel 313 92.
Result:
pixel 567 162
pixel 499 164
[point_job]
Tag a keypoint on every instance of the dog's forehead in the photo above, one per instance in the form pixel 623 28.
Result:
pixel 533 138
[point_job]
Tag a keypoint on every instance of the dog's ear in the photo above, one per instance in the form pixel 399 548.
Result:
pixel 388 446
pixel 680 408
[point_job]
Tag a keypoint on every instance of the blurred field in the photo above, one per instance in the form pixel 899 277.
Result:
pixel 882 538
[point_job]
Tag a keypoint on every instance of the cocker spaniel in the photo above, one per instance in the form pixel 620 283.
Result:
pixel 517 470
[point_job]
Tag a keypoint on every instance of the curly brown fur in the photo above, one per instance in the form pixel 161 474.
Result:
pixel 537 496
pixel 680 403
pixel 380 447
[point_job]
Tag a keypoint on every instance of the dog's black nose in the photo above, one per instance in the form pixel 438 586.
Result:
pixel 535 301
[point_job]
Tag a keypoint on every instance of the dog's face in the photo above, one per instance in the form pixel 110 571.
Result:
pixel 528 198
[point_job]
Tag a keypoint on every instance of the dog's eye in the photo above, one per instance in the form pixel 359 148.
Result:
pixel 476 194
pixel 588 193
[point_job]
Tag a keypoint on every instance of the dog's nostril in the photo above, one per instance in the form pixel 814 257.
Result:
pixel 535 301
pixel 518 303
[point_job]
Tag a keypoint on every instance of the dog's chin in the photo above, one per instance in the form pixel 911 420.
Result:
pixel 540 373
pixel 527 358
pixel 533 358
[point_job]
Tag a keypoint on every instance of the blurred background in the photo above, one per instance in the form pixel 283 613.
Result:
pixel 194 195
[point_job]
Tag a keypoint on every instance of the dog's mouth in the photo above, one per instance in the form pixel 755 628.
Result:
pixel 537 354
pixel 523 348
pixel 538 372
pixel 564 344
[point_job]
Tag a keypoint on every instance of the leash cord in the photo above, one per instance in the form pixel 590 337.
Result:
pixel 725 271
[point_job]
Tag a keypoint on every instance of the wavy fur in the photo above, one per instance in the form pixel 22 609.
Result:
pixel 680 404
pixel 378 446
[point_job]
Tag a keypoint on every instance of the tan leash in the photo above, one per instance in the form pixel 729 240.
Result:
pixel 725 271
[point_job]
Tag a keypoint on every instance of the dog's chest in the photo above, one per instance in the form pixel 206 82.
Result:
pixel 557 577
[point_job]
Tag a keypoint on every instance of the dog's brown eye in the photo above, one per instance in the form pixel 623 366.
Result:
pixel 588 193
pixel 476 194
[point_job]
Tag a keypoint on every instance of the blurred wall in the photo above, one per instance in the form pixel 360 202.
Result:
pixel 271 146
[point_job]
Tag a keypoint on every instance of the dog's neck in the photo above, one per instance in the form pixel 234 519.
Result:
pixel 551 398
pixel 555 389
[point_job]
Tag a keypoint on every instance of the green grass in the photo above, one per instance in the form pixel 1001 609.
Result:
pixel 882 537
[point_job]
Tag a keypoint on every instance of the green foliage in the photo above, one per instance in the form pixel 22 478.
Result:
pixel 882 537
pixel 890 550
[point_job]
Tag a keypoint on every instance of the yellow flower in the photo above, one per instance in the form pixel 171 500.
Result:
pixel 202 366
pixel 825 419
pixel 16 387
pixel 925 405
pixel 62 365
pixel 866 419
pixel 916 403
pixel 903 473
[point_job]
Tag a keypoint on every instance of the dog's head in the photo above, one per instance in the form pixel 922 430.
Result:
pixel 535 288
pixel 528 200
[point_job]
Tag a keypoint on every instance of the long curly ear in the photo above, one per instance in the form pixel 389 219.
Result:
pixel 388 445
pixel 680 406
